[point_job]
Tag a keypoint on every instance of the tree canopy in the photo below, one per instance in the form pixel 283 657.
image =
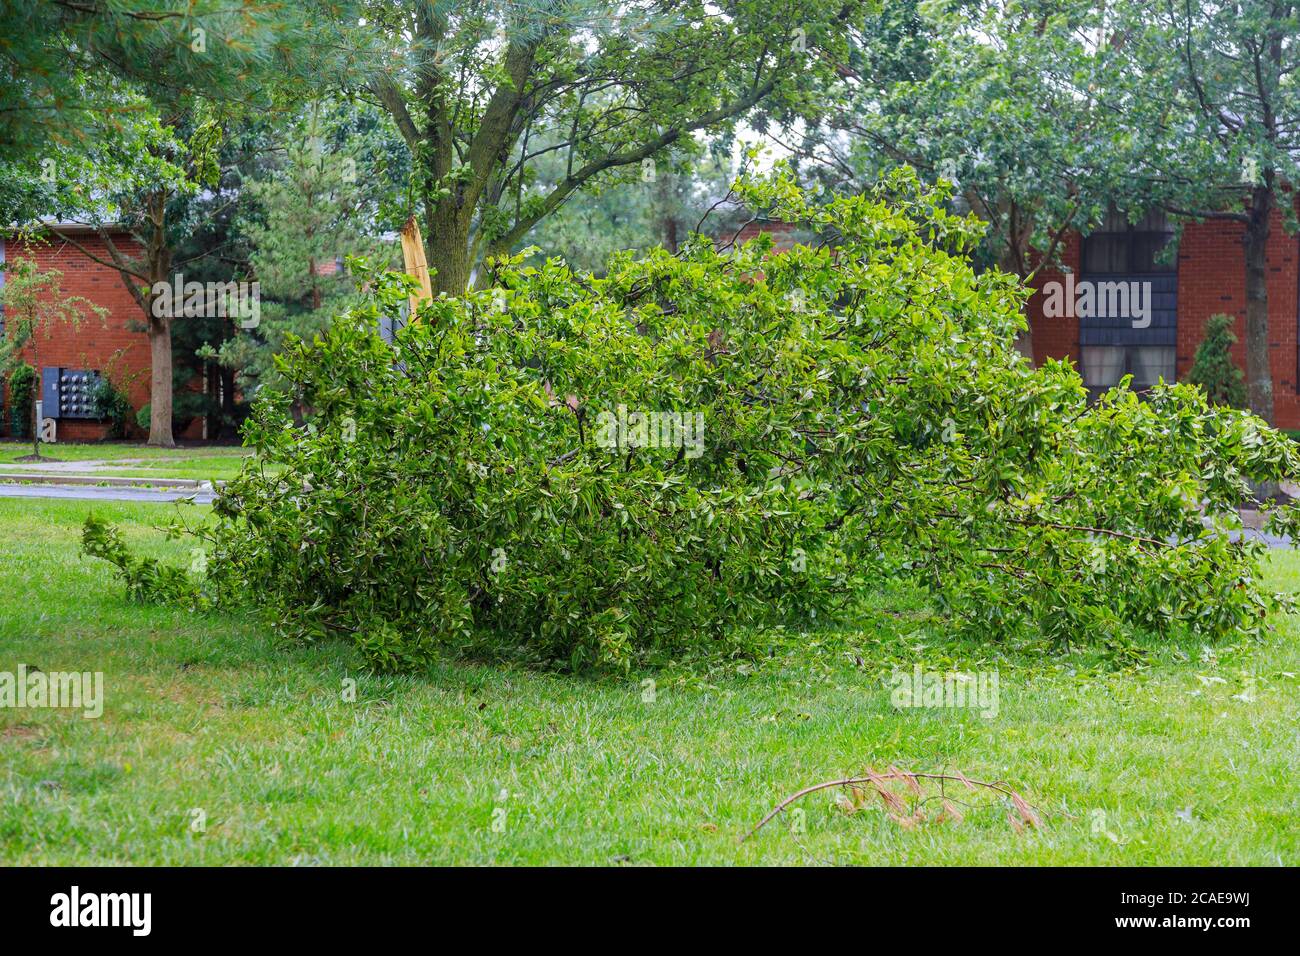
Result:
pixel 483 92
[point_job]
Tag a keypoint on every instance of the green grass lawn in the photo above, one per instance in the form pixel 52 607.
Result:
pixel 208 462
pixel 11 451
pixel 203 468
pixel 1190 754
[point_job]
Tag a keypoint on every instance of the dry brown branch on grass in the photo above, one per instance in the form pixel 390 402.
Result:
pixel 862 788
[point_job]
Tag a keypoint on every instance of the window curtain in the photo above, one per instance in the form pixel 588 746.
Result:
pixel 1150 364
pixel 1103 365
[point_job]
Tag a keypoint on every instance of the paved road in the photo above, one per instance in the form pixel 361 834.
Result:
pixel 1272 540
pixel 100 493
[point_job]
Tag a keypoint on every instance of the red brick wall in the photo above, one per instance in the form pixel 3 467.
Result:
pixel 782 233
pixel 1211 278
pixel 112 345
pixel 1055 338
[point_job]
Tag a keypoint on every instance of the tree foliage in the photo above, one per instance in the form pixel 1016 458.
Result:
pixel 635 213
pixel 998 99
pixel 865 414
pixel 482 91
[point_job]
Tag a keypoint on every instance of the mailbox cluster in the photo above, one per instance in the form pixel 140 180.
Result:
pixel 69 390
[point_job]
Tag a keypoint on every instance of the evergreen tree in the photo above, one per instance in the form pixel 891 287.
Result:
pixel 315 208
pixel 58 61
pixel 1213 368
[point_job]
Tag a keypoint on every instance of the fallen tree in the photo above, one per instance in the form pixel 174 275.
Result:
pixel 822 418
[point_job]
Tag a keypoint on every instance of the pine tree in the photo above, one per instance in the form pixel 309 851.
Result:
pixel 1213 368
pixel 312 210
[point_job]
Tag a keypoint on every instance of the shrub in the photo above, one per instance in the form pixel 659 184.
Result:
pixel 187 405
pixel 22 380
pixel 113 404
pixel 1213 368
pixel 484 483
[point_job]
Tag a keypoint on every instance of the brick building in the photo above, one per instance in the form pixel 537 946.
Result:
pixel 1207 275
pixel 117 346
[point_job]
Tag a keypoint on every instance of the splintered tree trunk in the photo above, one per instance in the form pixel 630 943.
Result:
pixel 160 384
pixel 416 265
pixel 1259 374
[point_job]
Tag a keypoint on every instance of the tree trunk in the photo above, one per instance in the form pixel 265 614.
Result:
pixel 669 229
pixel 1014 262
pixel 1259 374
pixel 160 385
pixel 227 380
pixel 36 419
pixel 447 244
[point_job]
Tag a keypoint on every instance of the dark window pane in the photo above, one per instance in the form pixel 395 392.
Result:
pixel 1105 252
pixel 1118 246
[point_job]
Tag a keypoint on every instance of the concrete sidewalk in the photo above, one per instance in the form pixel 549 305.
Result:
pixel 74 492
pixel 115 481
pixel 90 465
pixel 51 484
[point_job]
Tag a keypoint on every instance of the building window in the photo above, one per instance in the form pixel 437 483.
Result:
pixel 1141 342
pixel 1119 247
pixel 1104 365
